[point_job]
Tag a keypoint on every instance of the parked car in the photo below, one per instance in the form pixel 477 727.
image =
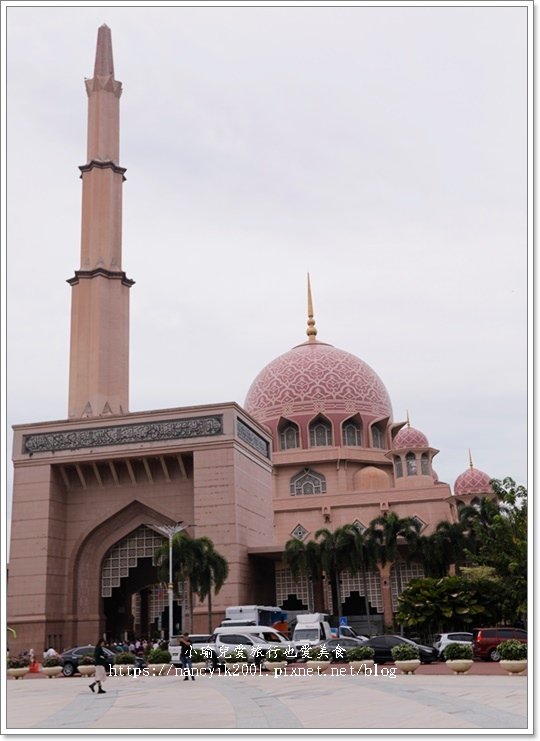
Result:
pixel 221 643
pixel 442 640
pixel 334 646
pixel 486 640
pixel 72 658
pixel 383 645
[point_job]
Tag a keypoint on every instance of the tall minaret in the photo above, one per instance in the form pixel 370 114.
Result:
pixel 99 354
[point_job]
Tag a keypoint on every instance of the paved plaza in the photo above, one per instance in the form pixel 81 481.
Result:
pixel 265 703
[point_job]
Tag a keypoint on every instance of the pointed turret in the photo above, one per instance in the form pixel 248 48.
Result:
pixel 311 330
pixel 104 57
pixel 99 370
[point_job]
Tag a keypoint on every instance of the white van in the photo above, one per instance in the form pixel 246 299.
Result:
pixel 265 632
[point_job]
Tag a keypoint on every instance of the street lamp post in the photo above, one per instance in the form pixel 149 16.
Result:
pixel 170 531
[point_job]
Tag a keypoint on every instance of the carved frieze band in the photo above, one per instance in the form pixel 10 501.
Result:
pixel 250 437
pixel 146 432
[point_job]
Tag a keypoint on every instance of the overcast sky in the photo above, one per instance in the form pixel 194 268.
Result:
pixel 384 149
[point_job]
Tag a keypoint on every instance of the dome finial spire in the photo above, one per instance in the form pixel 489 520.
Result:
pixel 470 459
pixel 408 419
pixel 311 328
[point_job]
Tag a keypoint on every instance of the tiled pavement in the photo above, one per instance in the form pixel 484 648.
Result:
pixel 265 703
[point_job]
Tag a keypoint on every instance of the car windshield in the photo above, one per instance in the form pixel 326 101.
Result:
pixel 306 634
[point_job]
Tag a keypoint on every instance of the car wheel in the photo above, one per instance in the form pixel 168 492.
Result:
pixel 68 670
pixel 494 655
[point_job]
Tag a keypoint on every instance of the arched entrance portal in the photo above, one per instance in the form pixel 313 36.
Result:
pixel 134 602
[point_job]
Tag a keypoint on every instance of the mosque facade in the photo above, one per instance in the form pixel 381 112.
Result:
pixel 314 446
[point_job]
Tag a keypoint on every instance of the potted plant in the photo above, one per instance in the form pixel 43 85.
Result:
pixel 87 666
pixel 123 663
pixel 17 668
pixel 53 666
pixel 276 659
pixel 458 657
pixel 158 660
pixel 406 657
pixel 361 658
pixel 236 658
pixel 513 656
pixel 318 657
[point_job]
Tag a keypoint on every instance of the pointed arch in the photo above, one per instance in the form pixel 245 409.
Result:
pixel 320 431
pixel 84 579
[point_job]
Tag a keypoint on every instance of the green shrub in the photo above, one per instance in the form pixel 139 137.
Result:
pixel 319 653
pixel 360 653
pixel 276 654
pixel 53 661
pixel 18 663
pixel 512 650
pixel 238 654
pixel 124 657
pixel 457 651
pixel 405 652
pixel 159 656
pixel 87 660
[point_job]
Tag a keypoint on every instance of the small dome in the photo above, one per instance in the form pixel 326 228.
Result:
pixel 315 377
pixel 408 437
pixel 472 481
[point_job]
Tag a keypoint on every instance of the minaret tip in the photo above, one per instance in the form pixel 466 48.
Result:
pixel 311 329
pixel 104 57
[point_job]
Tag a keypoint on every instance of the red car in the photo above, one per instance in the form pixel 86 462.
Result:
pixel 486 640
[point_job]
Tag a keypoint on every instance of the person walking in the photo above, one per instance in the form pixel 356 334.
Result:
pixel 101 662
pixel 185 656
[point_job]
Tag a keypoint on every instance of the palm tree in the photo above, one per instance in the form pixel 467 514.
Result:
pixel 334 548
pixel 360 556
pixel 184 556
pixel 304 559
pixel 195 561
pixel 385 531
pixel 210 573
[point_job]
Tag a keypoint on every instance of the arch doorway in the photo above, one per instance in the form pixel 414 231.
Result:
pixel 134 601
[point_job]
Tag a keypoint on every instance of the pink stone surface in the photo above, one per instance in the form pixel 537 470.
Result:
pixel 409 437
pixel 316 377
pixel 472 481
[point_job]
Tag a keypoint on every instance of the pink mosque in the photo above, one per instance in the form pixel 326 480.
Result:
pixel 314 445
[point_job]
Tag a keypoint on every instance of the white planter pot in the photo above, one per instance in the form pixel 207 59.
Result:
pixel 86 670
pixel 360 666
pixel 160 670
pixel 409 666
pixel 515 666
pixel 272 666
pixel 459 666
pixel 52 671
pixel 236 666
pixel 317 665
pixel 18 673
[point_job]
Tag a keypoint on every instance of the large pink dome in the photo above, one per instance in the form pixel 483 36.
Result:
pixel 316 377
pixel 408 437
pixel 472 481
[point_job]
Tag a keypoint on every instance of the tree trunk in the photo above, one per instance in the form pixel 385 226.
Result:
pixel 366 599
pixel 210 629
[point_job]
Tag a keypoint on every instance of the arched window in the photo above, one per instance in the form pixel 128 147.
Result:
pixel 399 466
pixel 352 434
pixel 424 461
pixel 411 464
pixel 307 482
pixel 320 432
pixel 289 436
pixel 377 437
